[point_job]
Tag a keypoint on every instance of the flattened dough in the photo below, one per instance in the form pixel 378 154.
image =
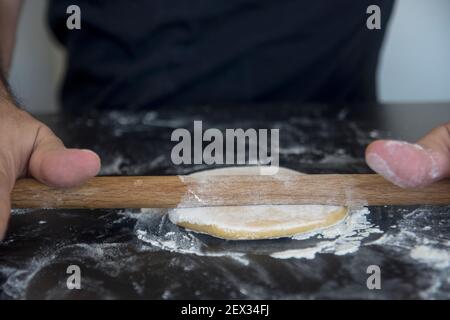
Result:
pixel 256 222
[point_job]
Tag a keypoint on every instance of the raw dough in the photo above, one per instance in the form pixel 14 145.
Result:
pixel 256 222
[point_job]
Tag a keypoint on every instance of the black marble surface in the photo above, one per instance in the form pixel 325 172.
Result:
pixel 133 254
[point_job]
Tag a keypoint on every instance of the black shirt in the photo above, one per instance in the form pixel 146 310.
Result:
pixel 148 53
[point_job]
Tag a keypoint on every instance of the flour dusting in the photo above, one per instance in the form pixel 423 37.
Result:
pixel 341 239
pixel 428 247
pixel 155 229
pixel 427 254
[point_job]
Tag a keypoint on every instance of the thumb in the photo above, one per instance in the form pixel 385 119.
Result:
pixel 412 165
pixel 5 203
pixel 53 164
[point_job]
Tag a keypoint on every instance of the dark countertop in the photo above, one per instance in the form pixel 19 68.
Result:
pixel 130 254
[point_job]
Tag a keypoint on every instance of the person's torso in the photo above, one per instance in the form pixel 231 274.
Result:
pixel 147 53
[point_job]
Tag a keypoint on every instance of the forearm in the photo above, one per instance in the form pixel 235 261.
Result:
pixel 9 16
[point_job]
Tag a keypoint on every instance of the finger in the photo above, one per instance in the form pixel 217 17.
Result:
pixel 5 210
pixel 412 165
pixel 5 204
pixel 55 165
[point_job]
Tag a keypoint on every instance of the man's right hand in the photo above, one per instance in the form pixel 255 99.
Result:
pixel 28 148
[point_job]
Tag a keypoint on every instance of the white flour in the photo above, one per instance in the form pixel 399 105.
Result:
pixel 425 245
pixel 184 244
pixel 153 228
pixel 439 258
pixel 343 238
pixel 113 167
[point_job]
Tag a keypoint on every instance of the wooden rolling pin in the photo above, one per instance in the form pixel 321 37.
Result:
pixel 185 191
